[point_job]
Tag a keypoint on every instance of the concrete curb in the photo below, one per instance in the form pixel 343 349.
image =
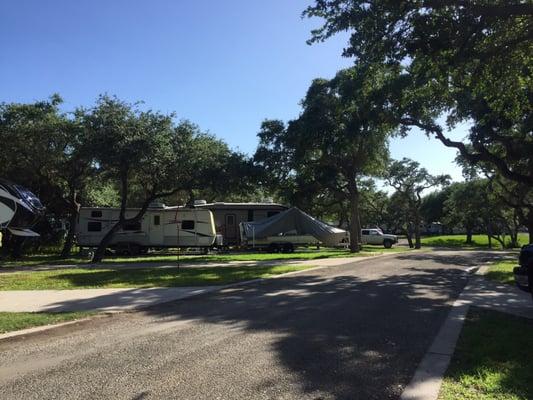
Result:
pixel 42 328
pixel 428 377
pixel 39 329
pixel 426 383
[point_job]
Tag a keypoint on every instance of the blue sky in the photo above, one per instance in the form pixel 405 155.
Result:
pixel 225 65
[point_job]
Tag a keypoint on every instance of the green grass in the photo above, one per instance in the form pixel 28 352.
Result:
pixel 142 277
pixel 42 259
pixel 492 360
pixel 13 321
pixel 460 241
pixel 502 272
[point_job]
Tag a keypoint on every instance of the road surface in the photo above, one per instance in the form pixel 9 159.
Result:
pixel 356 331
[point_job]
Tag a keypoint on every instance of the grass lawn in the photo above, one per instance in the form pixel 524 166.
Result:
pixel 13 321
pixel 143 277
pixel 459 241
pixel 492 359
pixel 311 254
pixel 502 272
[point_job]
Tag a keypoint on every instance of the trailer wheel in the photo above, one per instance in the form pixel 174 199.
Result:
pixel 288 248
pixel 128 249
pixel 273 248
pixel 387 243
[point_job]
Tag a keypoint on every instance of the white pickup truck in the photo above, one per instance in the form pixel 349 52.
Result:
pixel 376 236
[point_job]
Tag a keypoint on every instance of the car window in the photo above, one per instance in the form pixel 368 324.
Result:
pixel 365 232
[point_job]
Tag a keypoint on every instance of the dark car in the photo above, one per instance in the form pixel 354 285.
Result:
pixel 524 273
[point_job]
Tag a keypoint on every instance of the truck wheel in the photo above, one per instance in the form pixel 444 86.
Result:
pixel 387 244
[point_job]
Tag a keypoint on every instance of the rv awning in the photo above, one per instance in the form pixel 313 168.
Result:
pixel 293 219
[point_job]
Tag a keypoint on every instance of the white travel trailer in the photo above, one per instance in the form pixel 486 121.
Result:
pixel 160 227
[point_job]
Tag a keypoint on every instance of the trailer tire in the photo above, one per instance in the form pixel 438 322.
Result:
pixel 128 249
pixel 288 248
pixel 387 243
pixel 273 248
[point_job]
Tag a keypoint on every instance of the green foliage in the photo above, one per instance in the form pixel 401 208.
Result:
pixel 41 150
pixel 475 205
pixel 410 181
pixel 104 194
pixel 471 61
pixel 340 136
pixel 432 207
pixel 467 204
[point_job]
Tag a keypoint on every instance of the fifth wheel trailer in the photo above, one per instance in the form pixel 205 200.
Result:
pixel 20 209
pixel 229 215
pixel 160 227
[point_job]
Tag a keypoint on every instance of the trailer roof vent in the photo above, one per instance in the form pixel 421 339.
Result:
pixel 200 202
pixel 156 204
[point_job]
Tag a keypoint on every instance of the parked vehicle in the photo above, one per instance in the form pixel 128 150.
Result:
pixel 524 272
pixel 160 227
pixel 20 209
pixel 228 216
pixel 376 236
pixel 291 228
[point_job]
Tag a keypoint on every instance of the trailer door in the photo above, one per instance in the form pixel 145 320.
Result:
pixel 230 233
pixel 156 224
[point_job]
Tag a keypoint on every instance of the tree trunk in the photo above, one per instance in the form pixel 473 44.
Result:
pixel 73 220
pixel 418 242
pixel 98 255
pixel 106 240
pixel 355 224
pixel 528 222
pixel 489 233
pixel 409 234
pixel 468 235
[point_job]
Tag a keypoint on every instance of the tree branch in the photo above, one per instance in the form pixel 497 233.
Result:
pixel 482 155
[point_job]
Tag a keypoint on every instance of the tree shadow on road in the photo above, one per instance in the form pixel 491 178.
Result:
pixel 338 336
pixel 343 337
pixel 455 258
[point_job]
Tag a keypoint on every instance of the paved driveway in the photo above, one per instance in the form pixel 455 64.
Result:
pixel 355 331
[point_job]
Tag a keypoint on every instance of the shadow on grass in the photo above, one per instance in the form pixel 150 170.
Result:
pixel 337 335
pixel 169 277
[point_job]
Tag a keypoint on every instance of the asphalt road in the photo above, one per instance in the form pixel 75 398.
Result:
pixel 356 331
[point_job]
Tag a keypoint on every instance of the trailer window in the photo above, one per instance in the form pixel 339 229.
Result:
pixel 157 220
pixel 132 226
pixel 96 214
pixel 187 224
pixel 94 226
pixel 272 213
pixel 250 215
